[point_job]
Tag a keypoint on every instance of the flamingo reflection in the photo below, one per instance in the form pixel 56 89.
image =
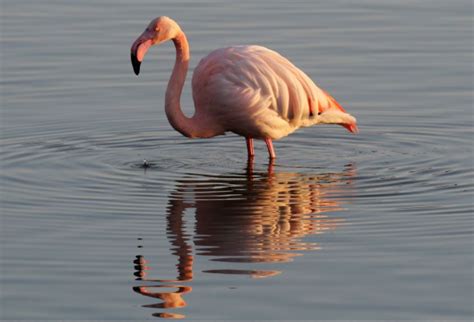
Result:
pixel 244 219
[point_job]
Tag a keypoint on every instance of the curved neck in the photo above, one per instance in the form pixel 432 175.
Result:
pixel 175 115
pixel 200 125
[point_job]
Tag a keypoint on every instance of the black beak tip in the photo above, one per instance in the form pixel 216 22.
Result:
pixel 135 63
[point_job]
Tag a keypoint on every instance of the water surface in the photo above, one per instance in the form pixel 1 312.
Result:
pixel 373 226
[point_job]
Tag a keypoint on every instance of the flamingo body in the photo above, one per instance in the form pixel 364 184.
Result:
pixel 248 90
pixel 255 92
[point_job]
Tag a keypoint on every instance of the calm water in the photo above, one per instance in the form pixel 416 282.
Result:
pixel 373 226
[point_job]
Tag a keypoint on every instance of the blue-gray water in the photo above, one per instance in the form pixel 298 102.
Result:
pixel 373 226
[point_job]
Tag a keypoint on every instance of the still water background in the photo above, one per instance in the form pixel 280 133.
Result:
pixel 373 226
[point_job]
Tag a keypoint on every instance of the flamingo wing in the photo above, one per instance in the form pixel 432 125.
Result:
pixel 255 92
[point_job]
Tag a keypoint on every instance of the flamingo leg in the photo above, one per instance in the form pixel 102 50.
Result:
pixel 271 151
pixel 249 170
pixel 271 165
pixel 250 151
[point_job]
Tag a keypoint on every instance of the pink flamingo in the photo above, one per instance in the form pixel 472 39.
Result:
pixel 249 90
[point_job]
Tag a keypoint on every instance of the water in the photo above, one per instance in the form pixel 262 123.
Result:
pixel 373 226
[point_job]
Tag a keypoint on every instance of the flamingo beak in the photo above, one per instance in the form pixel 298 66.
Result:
pixel 135 63
pixel 138 51
pixel 351 128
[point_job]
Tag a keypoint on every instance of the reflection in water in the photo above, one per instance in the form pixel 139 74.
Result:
pixel 241 219
pixel 170 299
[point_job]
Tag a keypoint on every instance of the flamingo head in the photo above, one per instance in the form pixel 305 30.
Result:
pixel 336 116
pixel 158 30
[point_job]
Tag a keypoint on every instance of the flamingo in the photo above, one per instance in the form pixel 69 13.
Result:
pixel 248 90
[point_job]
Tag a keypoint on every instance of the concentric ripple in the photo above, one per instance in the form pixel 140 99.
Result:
pixel 250 219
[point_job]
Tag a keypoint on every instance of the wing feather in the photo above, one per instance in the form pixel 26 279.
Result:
pixel 258 87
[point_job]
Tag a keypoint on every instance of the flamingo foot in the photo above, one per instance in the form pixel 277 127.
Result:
pixel 271 151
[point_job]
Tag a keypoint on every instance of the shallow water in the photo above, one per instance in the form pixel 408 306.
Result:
pixel 373 226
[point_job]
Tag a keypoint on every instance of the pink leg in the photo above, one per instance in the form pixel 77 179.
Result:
pixel 250 169
pixel 271 165
pixel 271 151
pixel 250 147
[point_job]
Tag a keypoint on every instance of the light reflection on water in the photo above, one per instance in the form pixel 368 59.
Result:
pixel 249 218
